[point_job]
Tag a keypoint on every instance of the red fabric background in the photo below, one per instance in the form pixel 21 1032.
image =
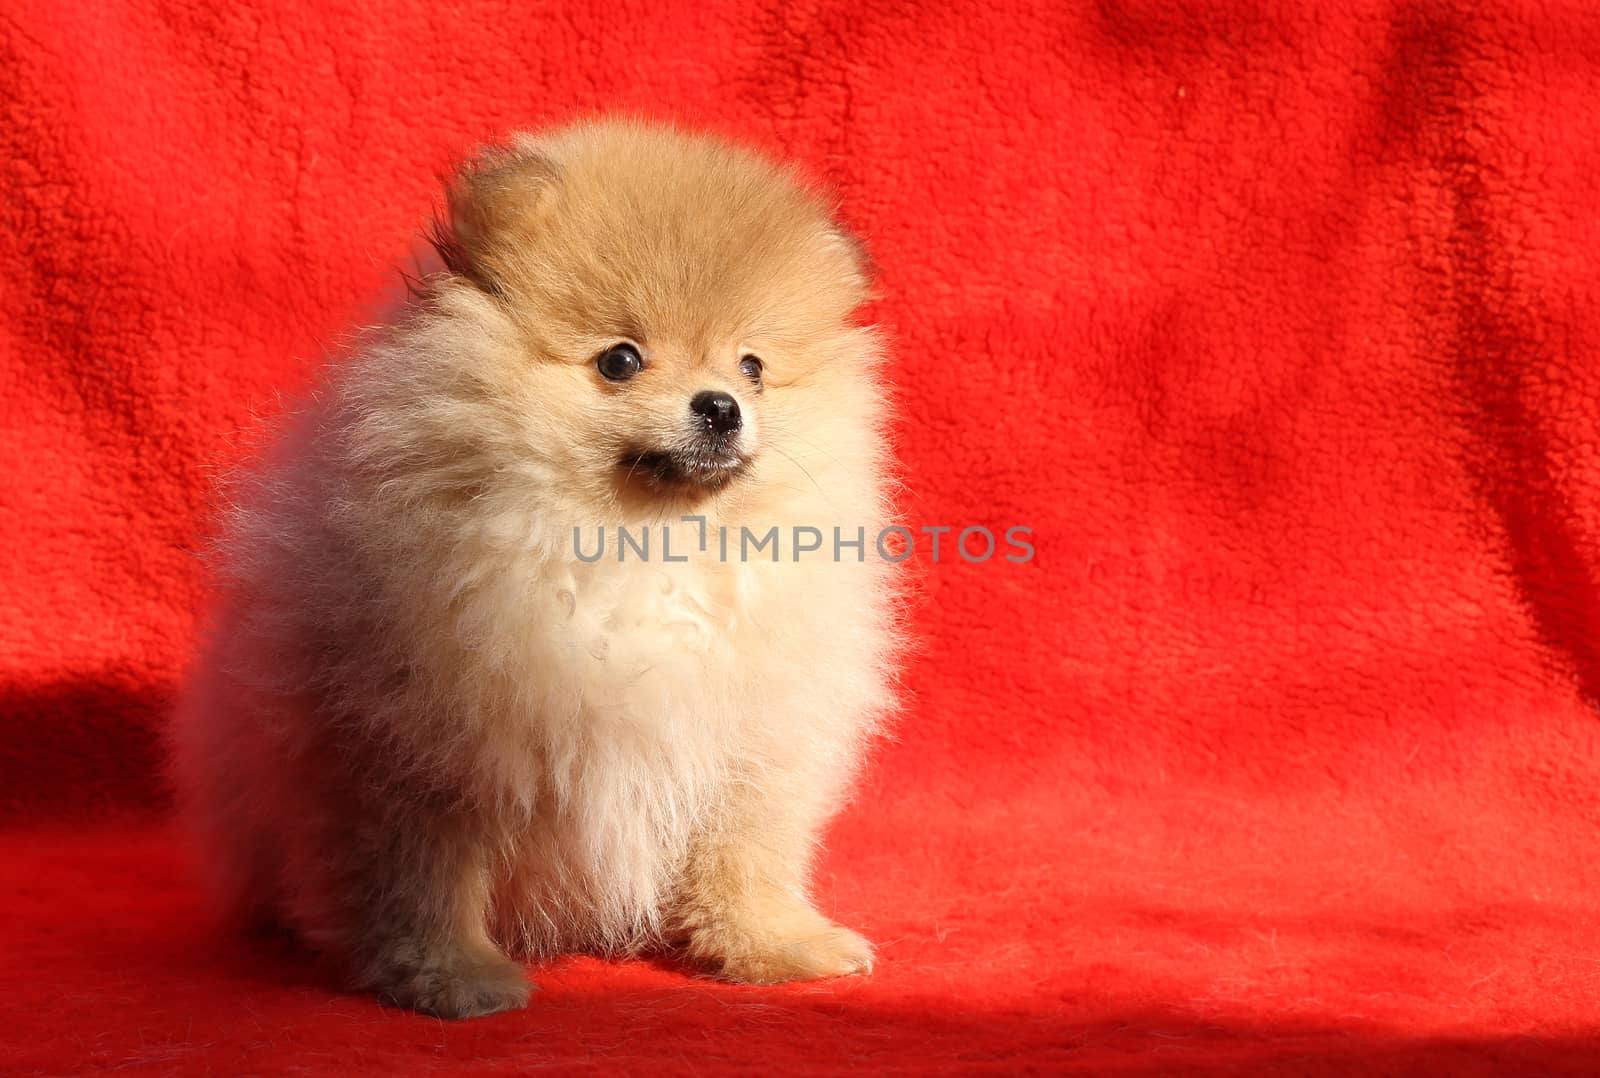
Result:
pixel 1280 330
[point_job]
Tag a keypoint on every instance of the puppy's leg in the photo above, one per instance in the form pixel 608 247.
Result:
pixel 415 900
pixel 742 909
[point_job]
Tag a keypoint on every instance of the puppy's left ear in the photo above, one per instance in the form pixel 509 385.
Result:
pixel 855 265
pixel 495 203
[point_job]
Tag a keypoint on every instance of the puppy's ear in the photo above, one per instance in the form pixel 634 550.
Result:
pixel 494 203
pixel 854 263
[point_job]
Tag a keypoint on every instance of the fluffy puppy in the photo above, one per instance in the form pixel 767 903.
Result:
pixel 429 730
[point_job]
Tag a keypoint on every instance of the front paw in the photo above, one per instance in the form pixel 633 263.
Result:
pixel 456 985
pixel 786 948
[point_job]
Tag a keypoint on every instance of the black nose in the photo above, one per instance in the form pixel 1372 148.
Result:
pixel 719 410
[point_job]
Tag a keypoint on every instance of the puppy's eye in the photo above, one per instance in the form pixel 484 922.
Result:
pixel 619 362
pixel 751 366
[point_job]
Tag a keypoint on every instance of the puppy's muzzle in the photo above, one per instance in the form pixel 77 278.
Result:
pixel 709 456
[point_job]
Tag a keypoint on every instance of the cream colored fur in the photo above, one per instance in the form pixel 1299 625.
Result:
pixel 421 731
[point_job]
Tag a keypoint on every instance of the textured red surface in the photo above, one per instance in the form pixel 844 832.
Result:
pixel 1279 329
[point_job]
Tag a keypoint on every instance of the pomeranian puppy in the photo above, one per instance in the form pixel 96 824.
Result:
pixel 430 728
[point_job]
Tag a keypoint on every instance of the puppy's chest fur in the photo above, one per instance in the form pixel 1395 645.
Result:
pixel 640 702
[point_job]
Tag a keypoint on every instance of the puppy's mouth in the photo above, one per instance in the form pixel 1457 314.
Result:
pixel 707 470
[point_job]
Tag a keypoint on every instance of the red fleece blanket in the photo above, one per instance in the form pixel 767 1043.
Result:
pixel 1277 323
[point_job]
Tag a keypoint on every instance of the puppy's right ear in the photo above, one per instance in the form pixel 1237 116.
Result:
pixel 494 205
